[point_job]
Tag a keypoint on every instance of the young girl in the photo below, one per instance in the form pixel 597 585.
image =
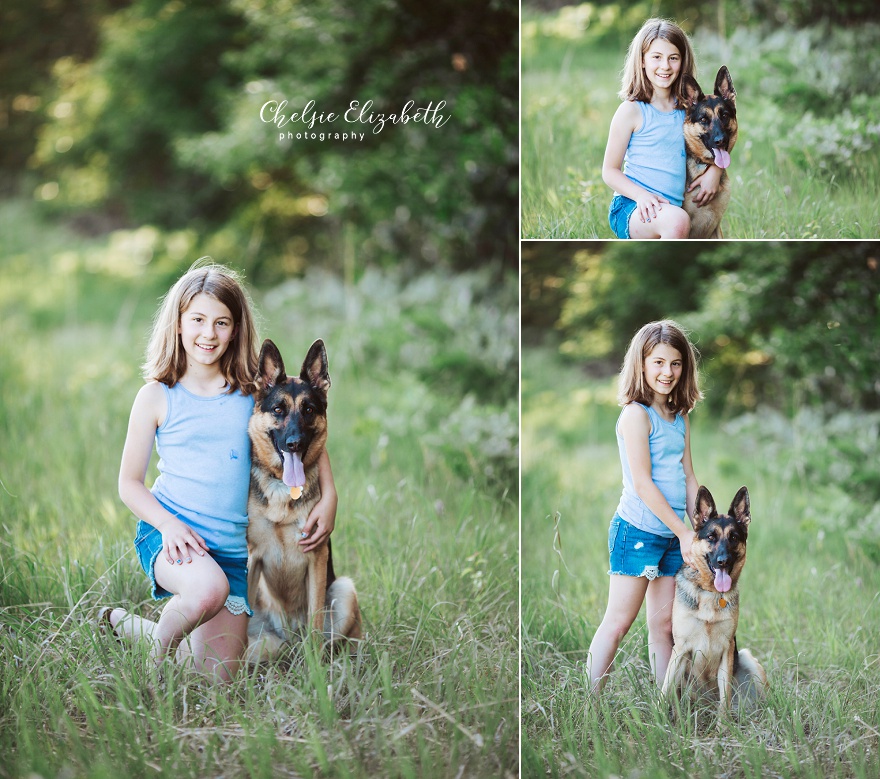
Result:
pixel 648 538
pixel 645 159
pixel 191 537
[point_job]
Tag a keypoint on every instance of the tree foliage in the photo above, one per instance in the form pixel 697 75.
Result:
pixel 164 126
pixel 776 323
pixel 34 34
pixel 717 13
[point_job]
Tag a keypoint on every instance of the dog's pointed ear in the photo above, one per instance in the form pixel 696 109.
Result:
pixel 741 509
pixel 691 89
pixel 315 369
pixel 724 85
pixel 704 508
pixel 271 368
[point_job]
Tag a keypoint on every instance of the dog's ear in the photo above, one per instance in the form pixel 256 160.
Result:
pixel 704 508
pixel 271 371
pixel 691 89
pixel 740 509
pixel 315 368
pixel 724 85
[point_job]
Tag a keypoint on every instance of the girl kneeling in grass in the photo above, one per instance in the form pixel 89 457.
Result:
pixel 192 530
pixel 645 159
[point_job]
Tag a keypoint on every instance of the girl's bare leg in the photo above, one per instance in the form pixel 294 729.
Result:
pixel 217 646
pixel 625 596
pixel 670 222
pixel 661 594
pixel 200 588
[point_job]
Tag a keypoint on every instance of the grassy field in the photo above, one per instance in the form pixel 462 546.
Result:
pixel 810 611
pixel 569 94
pixel 427 527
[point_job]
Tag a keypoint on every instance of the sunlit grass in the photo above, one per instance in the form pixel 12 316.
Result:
pixel 810 610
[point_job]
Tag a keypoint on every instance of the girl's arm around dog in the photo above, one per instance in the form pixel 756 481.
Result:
pixel 322 517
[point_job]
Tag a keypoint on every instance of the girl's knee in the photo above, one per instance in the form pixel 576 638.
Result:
pixel 660 625
pixel 679 225
pixel 226 671
pixel 206 601
pixel 615 629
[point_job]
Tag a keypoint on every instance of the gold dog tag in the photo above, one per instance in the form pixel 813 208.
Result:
pixel 722 603
pixel 296 492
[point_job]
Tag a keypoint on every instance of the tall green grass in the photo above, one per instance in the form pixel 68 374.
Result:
pixel 570 79
pixel 810 609
pixel 427 527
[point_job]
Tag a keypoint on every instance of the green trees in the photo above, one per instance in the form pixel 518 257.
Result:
pixel 778 323
pixel 163 126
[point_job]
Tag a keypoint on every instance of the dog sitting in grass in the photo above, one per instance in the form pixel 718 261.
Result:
pixel 291 591
pixel 705 659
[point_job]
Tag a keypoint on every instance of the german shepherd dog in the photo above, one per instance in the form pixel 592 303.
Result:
pixel 289 589
pixel 705 613
pixel 709 135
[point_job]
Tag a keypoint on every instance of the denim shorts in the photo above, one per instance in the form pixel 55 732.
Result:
pixel 148 543
pixel 635 552
pixel 619 212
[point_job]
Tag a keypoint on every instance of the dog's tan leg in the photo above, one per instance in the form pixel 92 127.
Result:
pixel 318 586
pixel 255 571
pixel 725 679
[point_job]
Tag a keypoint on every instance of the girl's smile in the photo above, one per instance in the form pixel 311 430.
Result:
pixel 663 367
pixel 206 329
pixel 662 64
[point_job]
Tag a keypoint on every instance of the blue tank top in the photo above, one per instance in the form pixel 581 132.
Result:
pixel 655 158
pixel 205 465
pixel 666 442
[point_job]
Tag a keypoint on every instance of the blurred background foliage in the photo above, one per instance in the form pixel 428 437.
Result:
pixel 116 115
pixel 718 12
pixel 789 338
pixel 779 324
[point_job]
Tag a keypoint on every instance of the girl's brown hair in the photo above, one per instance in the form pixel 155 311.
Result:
pixel 632 387
pixel 166 359
pixel 634 84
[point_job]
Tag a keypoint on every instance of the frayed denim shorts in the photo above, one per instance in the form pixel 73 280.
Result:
pixel 619 212
pixel 635 552
pixel 148 543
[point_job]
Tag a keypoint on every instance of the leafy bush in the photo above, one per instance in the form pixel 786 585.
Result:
pixel 776 323
pixel 833 462
pixel 813 87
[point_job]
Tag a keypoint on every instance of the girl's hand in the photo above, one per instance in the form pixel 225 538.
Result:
pixel 648 205
pixel 177 539
pixel 320 523
pixel 685 541
pixel 709 182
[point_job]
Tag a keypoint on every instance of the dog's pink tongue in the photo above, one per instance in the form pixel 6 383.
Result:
pixel 722 580
pixel 294 474
pixel 722 157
